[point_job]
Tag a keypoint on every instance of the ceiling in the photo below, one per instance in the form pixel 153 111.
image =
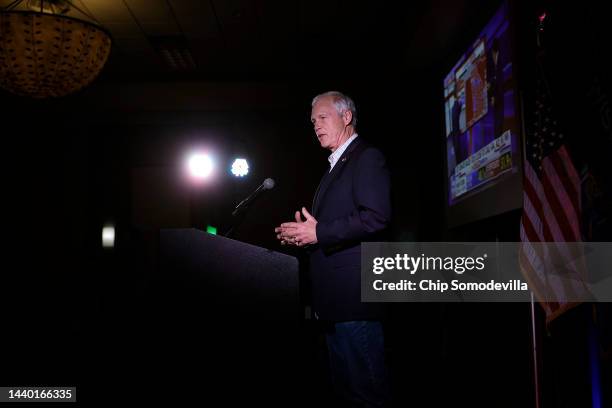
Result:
pixel 272 39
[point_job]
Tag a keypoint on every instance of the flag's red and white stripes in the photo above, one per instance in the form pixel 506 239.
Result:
pixel 551 214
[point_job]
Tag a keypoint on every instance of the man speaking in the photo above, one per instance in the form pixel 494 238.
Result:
pixel 352 204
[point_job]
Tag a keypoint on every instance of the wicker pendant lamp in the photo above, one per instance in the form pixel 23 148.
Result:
pixel 46 53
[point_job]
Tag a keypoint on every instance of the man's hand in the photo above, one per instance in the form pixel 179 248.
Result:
pixel 300 232
pixel 284 237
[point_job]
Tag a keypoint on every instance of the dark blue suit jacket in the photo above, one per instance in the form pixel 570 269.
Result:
pixel 351 205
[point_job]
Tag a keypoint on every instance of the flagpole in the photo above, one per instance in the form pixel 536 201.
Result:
pixel 533 322
pixel 535 353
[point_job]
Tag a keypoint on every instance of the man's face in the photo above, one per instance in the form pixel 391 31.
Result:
pixel 329 125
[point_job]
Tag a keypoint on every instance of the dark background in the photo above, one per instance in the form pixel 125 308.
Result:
pixel 75 314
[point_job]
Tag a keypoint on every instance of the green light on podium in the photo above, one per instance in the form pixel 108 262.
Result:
pixel 211 230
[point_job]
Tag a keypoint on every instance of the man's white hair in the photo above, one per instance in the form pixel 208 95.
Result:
pixel 342 103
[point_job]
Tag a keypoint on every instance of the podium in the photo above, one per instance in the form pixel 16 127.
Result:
pixel 227 279
pixel 224 320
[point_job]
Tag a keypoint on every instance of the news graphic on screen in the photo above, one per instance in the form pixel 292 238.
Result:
pixel 481 119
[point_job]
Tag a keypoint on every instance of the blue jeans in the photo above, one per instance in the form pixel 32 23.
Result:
pixel 357 363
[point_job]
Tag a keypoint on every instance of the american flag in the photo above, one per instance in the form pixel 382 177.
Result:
pixel 551 210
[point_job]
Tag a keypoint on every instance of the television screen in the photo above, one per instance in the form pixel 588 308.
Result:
pixel 482 125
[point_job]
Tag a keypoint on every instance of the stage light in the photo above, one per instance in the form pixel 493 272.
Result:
pixel 211 230
pixel 240 168
pixel 200 165
pixel 108 236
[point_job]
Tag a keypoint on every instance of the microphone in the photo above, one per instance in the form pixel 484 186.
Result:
pixel 268 184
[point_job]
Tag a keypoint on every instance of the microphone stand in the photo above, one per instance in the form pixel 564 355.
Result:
pixel 237 219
